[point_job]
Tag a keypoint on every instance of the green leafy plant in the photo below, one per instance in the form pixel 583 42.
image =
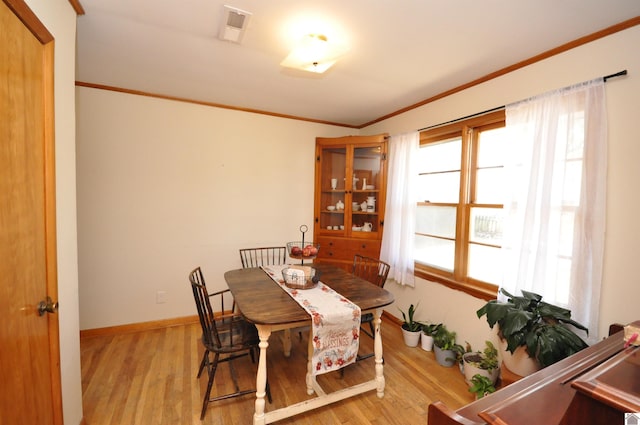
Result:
pixel 538 326
pixel 487 359
pixel 431 328
pixel 460 351
pixel 444 339
pixel 481 386
pixel 408 323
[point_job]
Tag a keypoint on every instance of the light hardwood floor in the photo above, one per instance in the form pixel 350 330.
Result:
pixel 149 377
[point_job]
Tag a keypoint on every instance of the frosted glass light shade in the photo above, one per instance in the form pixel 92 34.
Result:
pixel 314 53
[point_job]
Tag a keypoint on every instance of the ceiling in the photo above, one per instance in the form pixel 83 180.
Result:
pixel 401 52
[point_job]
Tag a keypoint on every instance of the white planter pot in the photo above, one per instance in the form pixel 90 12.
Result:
pixel 470 370
pixel 411 338
pixel 426 341
pixel 519 362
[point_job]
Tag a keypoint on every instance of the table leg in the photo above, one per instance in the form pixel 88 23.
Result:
pixel 286 342
pixel 310 378
pixel 377 348
pixel 264 331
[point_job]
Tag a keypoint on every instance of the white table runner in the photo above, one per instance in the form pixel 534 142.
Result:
pixel 335 323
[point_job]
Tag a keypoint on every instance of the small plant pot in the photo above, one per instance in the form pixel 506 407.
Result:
pixel 446 358
pixel 426 342
pixel 411 338
pixel 470 369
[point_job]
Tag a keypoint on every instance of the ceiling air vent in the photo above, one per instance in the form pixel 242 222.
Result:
pixel 233 24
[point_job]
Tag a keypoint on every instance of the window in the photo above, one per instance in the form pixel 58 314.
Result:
pixel 459 214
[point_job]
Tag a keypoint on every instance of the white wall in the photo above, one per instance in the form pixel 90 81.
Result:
pixel 60 19
pixel 602 57
pixel 165 186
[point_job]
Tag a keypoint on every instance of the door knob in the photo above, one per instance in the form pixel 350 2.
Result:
pixel 47 306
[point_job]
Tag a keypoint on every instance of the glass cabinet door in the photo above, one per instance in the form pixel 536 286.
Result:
pixel 333 188
pixel 366 174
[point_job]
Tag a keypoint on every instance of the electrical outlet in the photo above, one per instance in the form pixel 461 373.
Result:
pixel 161 297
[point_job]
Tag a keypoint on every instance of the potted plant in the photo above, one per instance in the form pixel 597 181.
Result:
pixel 483 363
pixel 444 342
pixel 539 327
pixel 459 352
pixel 481 386
pixel 428 331
pixel 411 328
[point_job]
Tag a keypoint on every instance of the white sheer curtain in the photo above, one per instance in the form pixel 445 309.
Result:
pixel 555 206
pixel 400 209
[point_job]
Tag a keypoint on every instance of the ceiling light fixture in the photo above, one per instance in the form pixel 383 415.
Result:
pixel 314 53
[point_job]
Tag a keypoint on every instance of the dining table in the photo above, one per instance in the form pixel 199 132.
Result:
pixel 264 303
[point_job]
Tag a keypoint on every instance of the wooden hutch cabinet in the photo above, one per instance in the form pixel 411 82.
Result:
pixel 350 195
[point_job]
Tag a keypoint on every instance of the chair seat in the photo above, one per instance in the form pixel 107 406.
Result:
pixel 367 317
pixel 234 334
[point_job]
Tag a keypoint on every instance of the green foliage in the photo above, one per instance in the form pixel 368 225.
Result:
pixel 540 327
pixel 444 338
pixel 481 386
pixel 487 359
pixel 431 328
pixel 408 323
pixel 461 351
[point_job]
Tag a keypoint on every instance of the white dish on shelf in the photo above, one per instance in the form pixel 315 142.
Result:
pixel 331 207
pixel 356 228
pixel 356 207
pixel 371 187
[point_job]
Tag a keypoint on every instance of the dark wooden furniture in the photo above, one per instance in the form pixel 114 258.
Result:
pixel 264 303
pixel 226 336
pixel 370 269
pixel 256 257
pixel 595 386
pixel 376 272
pixel 359 166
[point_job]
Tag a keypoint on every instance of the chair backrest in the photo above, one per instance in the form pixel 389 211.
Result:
pixel 205 312
pixel 256 257
pixel 222 330
pixel 371 269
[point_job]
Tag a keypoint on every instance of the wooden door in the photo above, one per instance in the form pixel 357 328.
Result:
pixel 29 354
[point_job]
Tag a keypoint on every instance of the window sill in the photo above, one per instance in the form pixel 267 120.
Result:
pixel 485 291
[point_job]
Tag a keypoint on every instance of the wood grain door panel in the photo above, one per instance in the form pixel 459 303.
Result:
pixel 29 359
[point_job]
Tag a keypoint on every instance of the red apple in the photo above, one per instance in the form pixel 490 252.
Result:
pixel 313 250
pixel 296 250
pixel 306 252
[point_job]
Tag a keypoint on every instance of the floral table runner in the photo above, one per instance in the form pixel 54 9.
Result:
pixel 335 323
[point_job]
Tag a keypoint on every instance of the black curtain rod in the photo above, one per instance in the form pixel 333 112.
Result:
pixel 463 118
pixel 605 78
pixel 617 74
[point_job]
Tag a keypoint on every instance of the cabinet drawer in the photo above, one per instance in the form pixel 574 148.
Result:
pixel 332 248
pixel 368 248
